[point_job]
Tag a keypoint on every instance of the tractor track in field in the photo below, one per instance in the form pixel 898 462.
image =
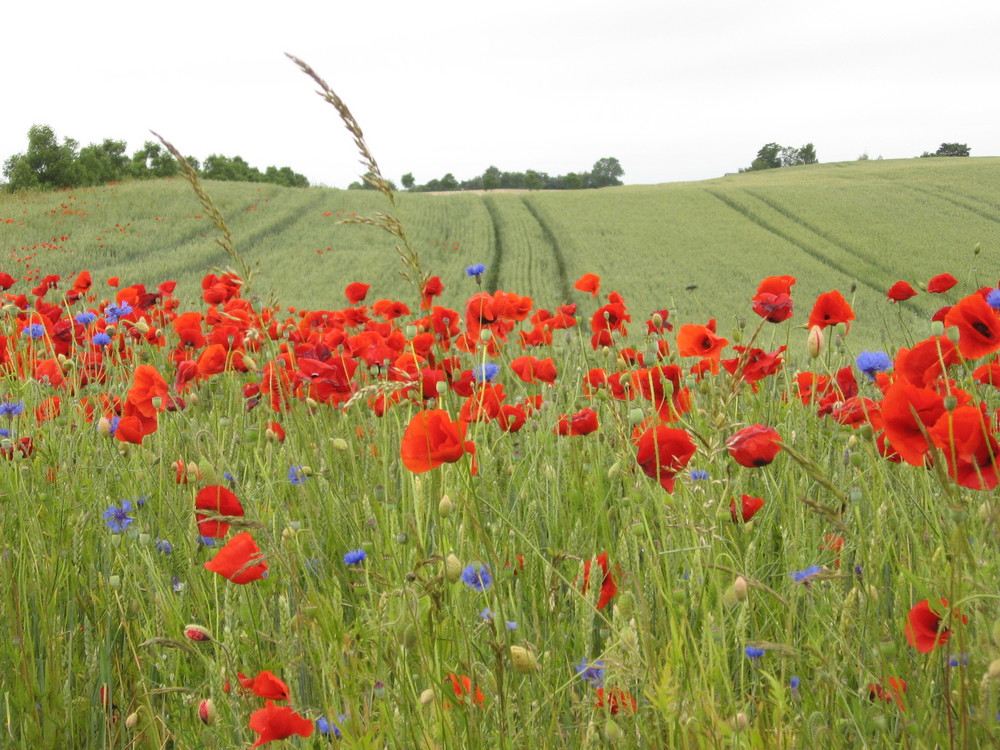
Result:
pixel 220 257
pixel 553 242
pixel 949 197
pixel 493 271
pixel 777 232
pixel 818 231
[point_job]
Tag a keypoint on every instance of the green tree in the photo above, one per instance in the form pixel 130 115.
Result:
pixel 491 178
pixel 153 161
pixel 952 149
pixel 573 181
pixel 100 164
pixel 769 157
pixel 448 182
pixel 533 180
pixel 46 163
pixel 607 171
pixel 808 154
pixel 408 181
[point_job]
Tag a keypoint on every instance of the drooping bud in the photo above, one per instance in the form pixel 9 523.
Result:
pixel 740 588
pixel 198 633
pixel 339 444
pixel 427 697
pixel 207 712
pixel 132 719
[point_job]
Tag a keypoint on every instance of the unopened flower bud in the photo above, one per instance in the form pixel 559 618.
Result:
pixel 131 720
pixel 524 661
pixel 427 697
pixel 198 633
pixel 206 712
pixel 141 326
pixel 452 568
pixel 740 721
pixel 993 672
pixel 815 341
pixel 104 427
pixel 339 444
pixel 612 732
pixel 740 588
pixel 445 507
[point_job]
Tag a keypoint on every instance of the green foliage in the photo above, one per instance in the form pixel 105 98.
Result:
pixel 407 181
pixel 46 163
pixel 949 149
pixel 774 156
pixel 606 172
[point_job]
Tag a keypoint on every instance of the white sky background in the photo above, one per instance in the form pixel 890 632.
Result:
pixel 675 90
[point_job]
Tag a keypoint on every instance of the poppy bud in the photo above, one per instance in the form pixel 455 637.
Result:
pixel 452 568
pixel 635 416
pixel 198 633
pixel 104 427
pixel 409 638
pixel 131 720
pixel 740 588
pixel 427 697
pixel 445 507
pixel 937 328
pixel 740 721
pixel 115 581
pixel 141 325
pixel 486 335
pixel 339 444
pixel 815 341
pixel 612 732
pixel 441 387
pixel 206 712
pixel 524 661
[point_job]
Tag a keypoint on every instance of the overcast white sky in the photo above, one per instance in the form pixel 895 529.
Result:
pixel 675 90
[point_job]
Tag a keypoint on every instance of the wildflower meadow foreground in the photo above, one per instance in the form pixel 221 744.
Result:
pixel 381 522
pixel 390 526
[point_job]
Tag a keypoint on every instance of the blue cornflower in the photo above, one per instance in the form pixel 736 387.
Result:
pixel 5 433
pixel 113 312
pixel 177 585
pixel 323 726
pixel 12 408
pixel 872 362
pixel 484 373
pixel 511 625
pixel 354 557
pixel 486 614
pixel 85 318
pixel 164 547
pixel 34 331
pixel 101 339
pixel 229 478
pixel 698 475
pixel 296 475
pixel 206 541
pixel 113 424
pixel 475 271
pixel 591 673
pixel 955 661
pixel 753 652
pixel 117 518
pixel 993 299
pixel 794 683
pixel 477 577
pixel 804 576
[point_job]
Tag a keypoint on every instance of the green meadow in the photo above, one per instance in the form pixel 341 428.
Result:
pixel 616 614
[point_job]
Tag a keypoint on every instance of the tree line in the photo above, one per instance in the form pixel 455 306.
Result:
pixel 49 164
pixel 606 172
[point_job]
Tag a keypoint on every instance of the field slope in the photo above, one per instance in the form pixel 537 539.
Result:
pixel 697 248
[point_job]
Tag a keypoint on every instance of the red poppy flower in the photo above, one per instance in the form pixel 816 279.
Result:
pixel 462 686
pixel 278 722
pixel 432 288
pixel 532 369
pixel 941 283
pixel 268 685
pixel 218 501
pixel 590 283
pixel 748 508
pixel 776 285
pixel 830 309
pixel 900 291
pixel 113 281
pixel 774 308
pixel 608 585
pixel 356 292
pixel 754 446
pixel 662 452
pixel 240 560
pixel 923 625
pixel 890 689
pixel 835 544
pixel 432 439
pixel 965 437
pixel 583 422
pixel 978 326
pixel 908 412
pixel 616 700
pixel 700 341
